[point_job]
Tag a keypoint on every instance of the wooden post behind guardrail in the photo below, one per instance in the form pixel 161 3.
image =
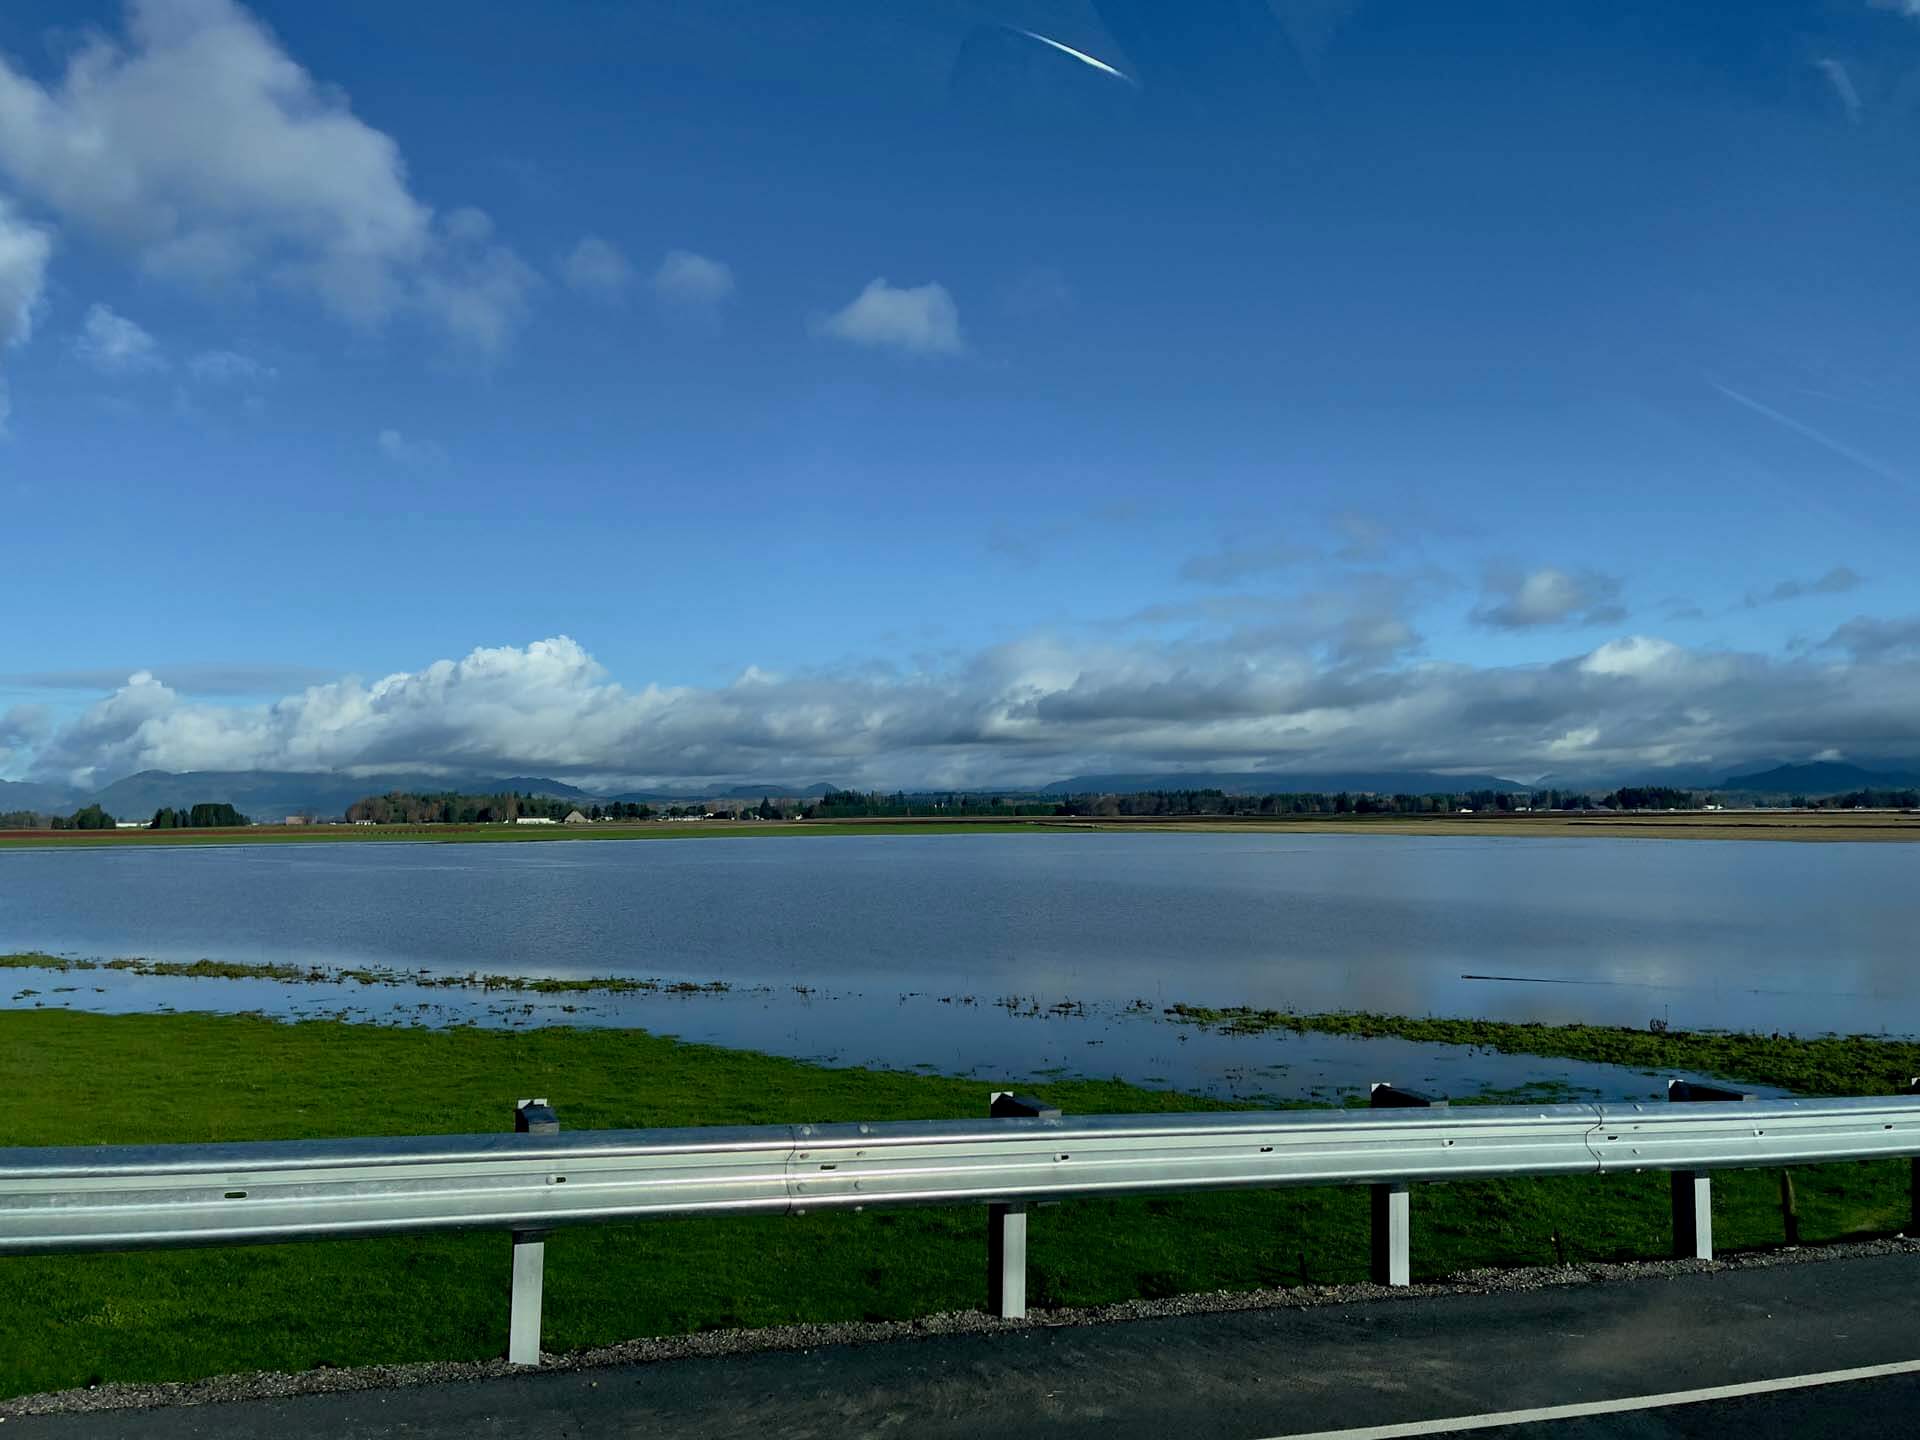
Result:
pixel 1693 1189
pixel 530 1117
pixel 1392 1248
pixel 1007 1224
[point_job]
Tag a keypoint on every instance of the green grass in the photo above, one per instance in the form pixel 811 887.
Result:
pixel 85 1079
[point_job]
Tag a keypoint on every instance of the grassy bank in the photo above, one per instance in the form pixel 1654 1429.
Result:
pixel 81 1079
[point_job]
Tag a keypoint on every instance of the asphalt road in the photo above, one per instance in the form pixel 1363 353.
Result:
pixel 1246 1376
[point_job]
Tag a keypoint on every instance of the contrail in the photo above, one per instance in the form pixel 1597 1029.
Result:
pixel 1843 86
pixel 1080 55
pixel 1819 437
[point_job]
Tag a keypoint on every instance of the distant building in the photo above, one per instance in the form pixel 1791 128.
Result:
pixel 131 824
pixel 296 820
pixel 574 817
pixel 536 819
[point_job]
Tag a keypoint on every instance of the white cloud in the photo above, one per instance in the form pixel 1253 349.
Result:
pixel 419 454
pixel 1032 709
pixel 115 345
pixel 1631 655
pixel 595 267
pixel 1516 600
pixel 196 143
pixel 480 291
pixel 920 318
pixel 24 251
pixel 685 278
pixel 229 367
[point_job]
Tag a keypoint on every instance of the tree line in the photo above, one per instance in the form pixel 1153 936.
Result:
pixel 194 817
pixel 450 807
pixel 87 817
pixel 92 817
pixel 1864 800
pixel 850 804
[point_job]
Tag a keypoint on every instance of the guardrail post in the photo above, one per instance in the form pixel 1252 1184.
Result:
pixel 1007 1223
pixel 1392 1257
pixel 1913 1183
pixel 530 1117
pixel 1692 1190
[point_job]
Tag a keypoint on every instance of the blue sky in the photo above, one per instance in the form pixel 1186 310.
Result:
pixel 681 391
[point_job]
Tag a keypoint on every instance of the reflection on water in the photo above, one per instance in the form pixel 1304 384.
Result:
pixel 1702 934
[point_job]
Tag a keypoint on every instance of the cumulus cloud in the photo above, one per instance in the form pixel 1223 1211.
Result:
pixel 1837 581
pixel 1519 600
pixel 403 450
pixel 24 251
pixel 198 145
pixel 595 267
pixel 685 278
pixel 115 345
pixel 1029 710
pixel 920 318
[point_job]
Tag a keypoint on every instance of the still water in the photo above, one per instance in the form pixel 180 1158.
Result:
pixel 901 949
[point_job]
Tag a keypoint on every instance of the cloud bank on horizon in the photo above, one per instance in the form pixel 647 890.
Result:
pixel 1027 711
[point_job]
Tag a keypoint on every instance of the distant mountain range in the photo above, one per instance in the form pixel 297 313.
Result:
pixel 1273 782
pixel 31 795
pixel 1826 777
pixel 746 790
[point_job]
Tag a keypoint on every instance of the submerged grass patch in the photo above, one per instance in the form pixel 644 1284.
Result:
pixel 365 975
pixel 87 1079
pixel 1806 1065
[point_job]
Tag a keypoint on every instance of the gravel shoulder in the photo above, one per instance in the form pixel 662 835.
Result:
pixel 805 1338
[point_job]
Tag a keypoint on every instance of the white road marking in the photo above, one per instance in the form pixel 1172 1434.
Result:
pixel 1494 1419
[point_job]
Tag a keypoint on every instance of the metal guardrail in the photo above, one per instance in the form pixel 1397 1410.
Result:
pixel 132 1197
